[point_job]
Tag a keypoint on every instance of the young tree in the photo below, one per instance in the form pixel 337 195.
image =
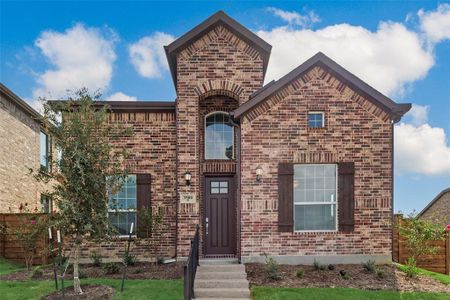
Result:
pixel 88 171
pixel 417 234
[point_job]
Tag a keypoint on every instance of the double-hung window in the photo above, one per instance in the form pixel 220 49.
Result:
pixel 315 197
pixel 122 206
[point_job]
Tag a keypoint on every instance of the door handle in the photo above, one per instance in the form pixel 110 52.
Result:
pixel 206 225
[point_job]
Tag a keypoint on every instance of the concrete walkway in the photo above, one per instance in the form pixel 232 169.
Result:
pixel 221 279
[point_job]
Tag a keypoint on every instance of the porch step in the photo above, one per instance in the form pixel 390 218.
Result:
pixel 219 261
pixel 220 275
pixel 221 282
pixel 215 293
pixel 222 268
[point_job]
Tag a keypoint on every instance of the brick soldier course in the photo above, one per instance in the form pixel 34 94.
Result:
pixel 219 66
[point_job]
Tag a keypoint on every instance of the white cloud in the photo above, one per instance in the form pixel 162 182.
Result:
pixel 294 18
pixel 119 96
pixel 388 59
pixel 436 24
pixel 421 149
pixel 418 115
pixel 81 57
pixel 147 55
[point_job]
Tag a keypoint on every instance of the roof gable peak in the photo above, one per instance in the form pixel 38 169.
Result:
pixel 218 18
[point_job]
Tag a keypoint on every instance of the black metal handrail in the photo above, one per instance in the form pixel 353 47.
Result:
pixel 190 269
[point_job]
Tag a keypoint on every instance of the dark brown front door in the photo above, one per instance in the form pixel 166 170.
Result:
pixel 220 216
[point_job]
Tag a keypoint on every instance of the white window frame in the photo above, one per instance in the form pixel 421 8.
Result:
pixel 135 210
pixel 316 203
pixel 46 167
pixel 315 113
pixel 204 136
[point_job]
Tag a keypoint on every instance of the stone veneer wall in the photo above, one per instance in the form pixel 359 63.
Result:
pixel 439 212
pixel 219 63
pixel 19 151
pixel 355 130
pixel 152 150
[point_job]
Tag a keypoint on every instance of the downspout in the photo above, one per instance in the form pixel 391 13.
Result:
pixel 176 179
pixel 392 188
pixel 236 125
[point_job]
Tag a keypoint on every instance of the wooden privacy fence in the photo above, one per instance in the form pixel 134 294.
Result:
pixel 11 248
pixel 439 262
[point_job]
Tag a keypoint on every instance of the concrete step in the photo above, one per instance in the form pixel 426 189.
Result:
pixel 221 283
pixel 222 292
pixel 218 261
pixel 221 268
pixel 221 298
pixel 221 275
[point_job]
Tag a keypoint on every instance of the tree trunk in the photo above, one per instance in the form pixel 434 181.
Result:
pixel 76 279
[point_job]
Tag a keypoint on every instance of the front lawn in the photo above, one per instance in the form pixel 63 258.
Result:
pixel 271 293
pixel 134 289
pixel 445 279
pixel 7 267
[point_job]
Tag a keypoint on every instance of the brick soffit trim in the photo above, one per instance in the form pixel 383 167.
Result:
pixel 395 110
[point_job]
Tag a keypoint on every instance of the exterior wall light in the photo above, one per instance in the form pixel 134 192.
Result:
pixel 187 177
pixel 259 172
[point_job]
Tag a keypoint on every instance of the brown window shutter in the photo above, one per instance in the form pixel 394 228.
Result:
pixel 346 196
pixel 285 197
pixel 143 186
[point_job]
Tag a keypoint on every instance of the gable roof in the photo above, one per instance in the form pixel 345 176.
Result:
pixel 219 18
pixel 439 196
pixel 25 107
pixel 396 110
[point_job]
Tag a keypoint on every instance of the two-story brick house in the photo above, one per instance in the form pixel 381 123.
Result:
pixel 300 168
pixel 24 145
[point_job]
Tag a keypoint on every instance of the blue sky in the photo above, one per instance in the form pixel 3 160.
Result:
pixel 402 48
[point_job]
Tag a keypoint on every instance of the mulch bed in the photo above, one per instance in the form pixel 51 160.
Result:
pixel 359 278
pixel 90 292
pixel 141 270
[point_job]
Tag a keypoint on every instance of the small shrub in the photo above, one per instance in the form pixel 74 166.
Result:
pixel 346 277
pixel 160 260
pixel 300 272
pixel 369 266
pixel 380 273
pixel 96 259
pixel 318 266
pixel 129 259
pixel 411 270
pixel 37 272
pixel 110 268
pixel 331 267
pixel 344 274
pixel 272 269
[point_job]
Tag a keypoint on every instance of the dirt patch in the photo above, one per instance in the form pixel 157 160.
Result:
pixel 141 270
pixel 357 277
pixel 90 292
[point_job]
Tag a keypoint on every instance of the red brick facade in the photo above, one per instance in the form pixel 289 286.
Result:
pixel 279 133
pixel 222 69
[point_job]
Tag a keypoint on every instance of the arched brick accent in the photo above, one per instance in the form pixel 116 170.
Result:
pixel 218 87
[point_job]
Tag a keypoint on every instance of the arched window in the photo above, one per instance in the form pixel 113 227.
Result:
pixel 218 136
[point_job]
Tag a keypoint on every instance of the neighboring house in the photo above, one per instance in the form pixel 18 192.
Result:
pixel 299 169
pixel 24 145
pixel 438 210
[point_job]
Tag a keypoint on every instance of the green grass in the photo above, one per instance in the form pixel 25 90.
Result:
pixel 7 266
pixel 269 293
pixel 134 289
pixel 445 279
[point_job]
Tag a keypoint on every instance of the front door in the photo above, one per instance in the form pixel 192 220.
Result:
pixel 220 216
